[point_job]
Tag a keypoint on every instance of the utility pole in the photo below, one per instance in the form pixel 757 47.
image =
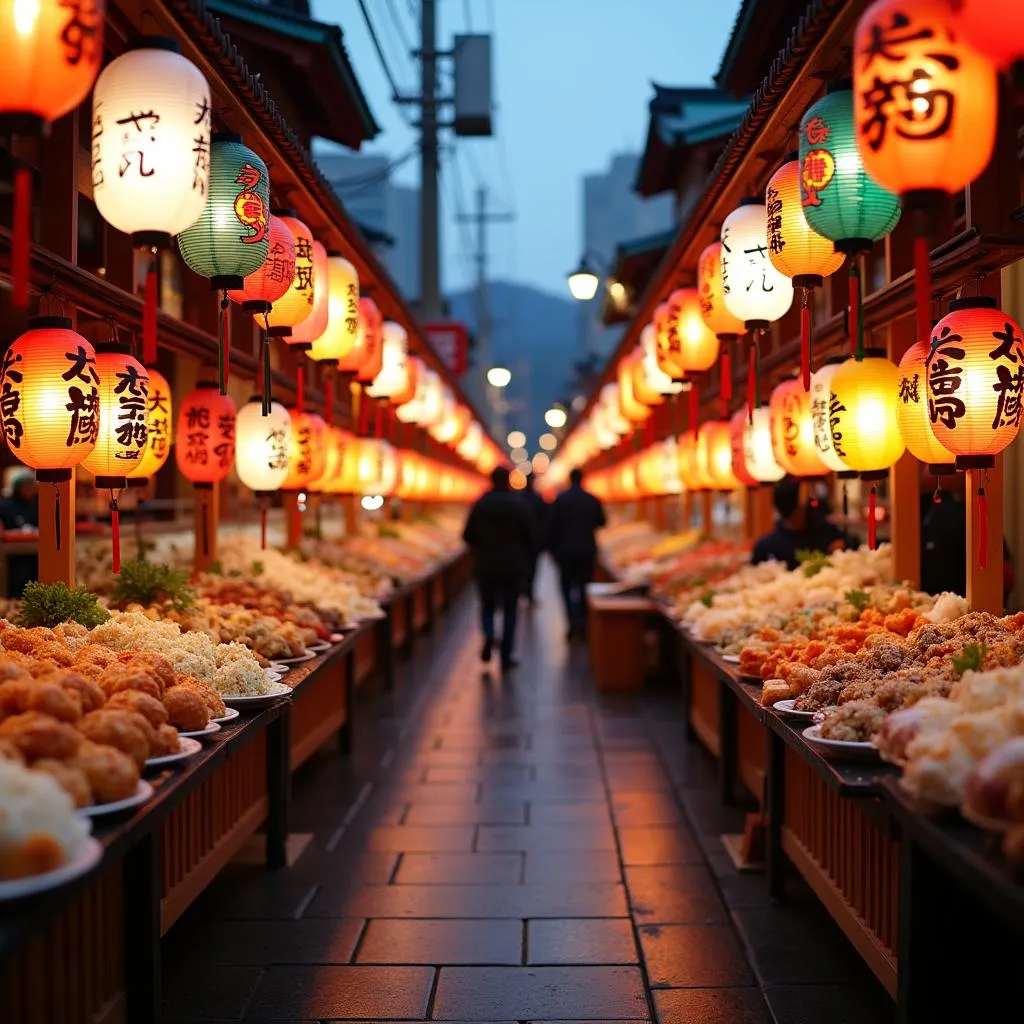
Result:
pixel 430 274
pixel 481 218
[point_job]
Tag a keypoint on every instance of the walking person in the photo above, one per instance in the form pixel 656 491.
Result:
pixel 574 518
pixel 538 509
pixel 500 532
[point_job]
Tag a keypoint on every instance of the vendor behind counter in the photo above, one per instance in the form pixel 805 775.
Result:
pixel 19 510
pixel 799 527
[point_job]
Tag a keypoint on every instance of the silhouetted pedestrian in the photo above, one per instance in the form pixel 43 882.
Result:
pixel 538 509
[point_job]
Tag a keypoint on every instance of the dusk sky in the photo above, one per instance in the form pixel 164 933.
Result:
pixel 572 82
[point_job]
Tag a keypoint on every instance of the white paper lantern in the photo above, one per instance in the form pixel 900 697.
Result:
pixel 755 292
pixel 610 410
pixel 821 386
pixel 654 376
pixel 394 370
pixel 670 480
pixel 151 142
pixel 758 456
pixel 427 405
pixel 472 444
pixel 261 446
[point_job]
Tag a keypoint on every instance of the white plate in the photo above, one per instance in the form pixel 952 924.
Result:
pixel 733 659
pixel 229 716
pixel 186 748
pixel 308 656
pixel 274 674
pixel 88 857
pixel 785 707
pixel 336 638
pixel 374 616
pixel 840 748
pixel 208 731
pixel 320 647
pixel 143 791
pixel 276 690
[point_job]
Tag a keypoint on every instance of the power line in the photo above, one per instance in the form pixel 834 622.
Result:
pixel 400 26
pixel 395 93
pixel 352 186
pixel 468 15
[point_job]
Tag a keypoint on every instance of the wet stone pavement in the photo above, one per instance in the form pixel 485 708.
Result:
pixel 511 849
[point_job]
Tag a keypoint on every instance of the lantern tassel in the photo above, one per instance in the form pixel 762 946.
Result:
pixel 300 388
pixel 922 284
pixel 263 524
pixel 329 398
pixel 267 400
pixel 115 533
pixel 856 314
pixel 752 380
pixel 378 421
pixel 846 504
pixel 694 407
pixel 149 308
pixel 725 380
pixel 805 339
pixel 56 515
pixel 982 528
pixel 224 344
pixel 364 416
pixel 872 498
pixel 21 240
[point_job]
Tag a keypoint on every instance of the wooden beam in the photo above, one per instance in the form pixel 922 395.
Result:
pixel 207 518
pixel 57 532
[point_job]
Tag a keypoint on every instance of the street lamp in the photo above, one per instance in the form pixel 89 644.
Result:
pixel 548 442
pixel 499 377
pixel 555 418
pixel 583 281
pixel 516 439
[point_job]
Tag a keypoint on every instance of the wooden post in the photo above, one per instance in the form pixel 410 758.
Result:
pixel 760 513
pixel 905 480
pixel 708 512
pixel 658 506
pixel 351 503
pixel 985 585
pixel 688 505
pixel 207 508
pixel 57 531
pixel 293 519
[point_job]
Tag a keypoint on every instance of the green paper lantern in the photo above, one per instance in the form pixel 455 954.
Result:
pixel 231 239
pixel 840 200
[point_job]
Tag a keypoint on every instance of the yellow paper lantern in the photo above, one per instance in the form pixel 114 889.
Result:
pixel 686 345
pixel 758 450
pixel 342 330
pixel 912 413
pixel 159 417
pixel 305 450
pixel 714 455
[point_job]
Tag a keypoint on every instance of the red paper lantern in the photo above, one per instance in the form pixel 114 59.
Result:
pixel 994 28
pixel 738 425
pixel 262 289
pixel 205 437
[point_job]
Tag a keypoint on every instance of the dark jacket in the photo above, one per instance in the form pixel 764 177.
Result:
pixel 575 515
pixel 500 532
pixel 538 509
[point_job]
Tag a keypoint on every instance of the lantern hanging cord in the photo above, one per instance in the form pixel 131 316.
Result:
pixel 982 523
pixel 725 380
pixel 21 232
pixel 115 532
pixel 675 416
pixel 56 516
pixel 150 304
pixel 805 338
pixel 922 275
pixel 872 524
pixel 856 312
pixel 937 496
pixel 266 365
pixel 223 344
pixel 263 523
pixel 846 504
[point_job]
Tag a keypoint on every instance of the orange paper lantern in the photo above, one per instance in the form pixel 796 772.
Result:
pixel 711 291
pixel 262 289
pixel 307 331
pixel 49 398
pixel 792 430
pixel 159 412
pixel 630 404
pixel 714 455
pixel 205 437
pixel 994 28
pixel 687 344
pixel 912 413
pixel 341 333
pixel 296 303
pixel 306 454
pixel 372 323
pixel 738 424
pixel 123 397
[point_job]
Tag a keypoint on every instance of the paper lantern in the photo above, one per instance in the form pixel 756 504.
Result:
pixel 840 200
pixel 205 437
pixel 642 388
pixel 123 397
pixel 995 28
pixel 662 351
pixel 425 407
pixel 690 345
pixel 797 250
pixel 340 335
pixel 691 473
pixel 393 375
pixel 303 333
pixel 862 414
pixel 230 240
pixel 926 100
pixel 755 292
pixel 373 466
pixel 912 413
pixel 738 424
pixel 151 142
pixel 305 450
pixel 725 326
pixel 631 405
pixel 151 152
pixel 159 417
pixel 414 368
pixel 792 430
pixel 471 445
pixel 52 52
pixel 292 307
pixel 261 446
pixel 367 344
pixel 714 455
pixel 758 450
pixel 272 280
pixel 821 394
pixel 654 376
pixel 974 376
pixel 373 326
pixel 49 398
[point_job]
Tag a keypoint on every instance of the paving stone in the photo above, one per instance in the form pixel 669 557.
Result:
pixel 276 898
pixel 499 773
pixel 631 809
pixel 590 812
pixel 674 894
pixel 712 1006
pixel 421 838
pixel 694 956
pixel 442 942
pixel 837 1004
pixel 465 814
pixel 598 899
pixel 540 993
pixel 546 867
pixel 658 845
pixel 587 941
pixel 285 993
pixel 211 995
pixel 262 943
pixel 582 837
pixel 459 869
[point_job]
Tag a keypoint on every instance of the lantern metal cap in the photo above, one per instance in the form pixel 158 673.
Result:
pixel 216 137
pixel 278 331
pixel 151 240
pixel 24 123
pixel 227 283
pixel 808 281
pixel 299 346
pixel 42 323
pixel 839 85
pixel 111 483
pixel 202 485
pixel 941 468
pixel 875 353
pixel 757 325
pixel 973 302
pixel 874 474
pixel 204 385
pixel 752 201
pixel 848 474
pixel 153 43
pixel 790 157
pixel 257 306
pixel 853 246
pixel 120 348
pixel 975 462
pixel 283 211
pixel 335 252
pixel 53 476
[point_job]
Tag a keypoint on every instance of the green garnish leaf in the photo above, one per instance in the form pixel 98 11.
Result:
pixel 971 657
pixel 860 599
pixel 50 604
pixel 707 598
pixel 145 582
